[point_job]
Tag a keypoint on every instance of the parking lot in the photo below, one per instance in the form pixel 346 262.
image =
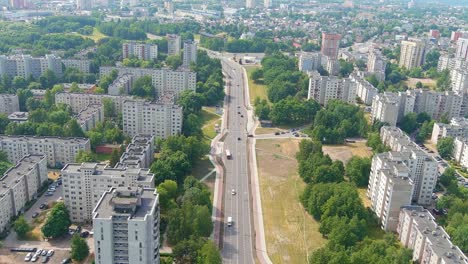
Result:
pixel 7 257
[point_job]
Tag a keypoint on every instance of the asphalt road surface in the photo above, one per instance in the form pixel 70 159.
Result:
pixel 237 239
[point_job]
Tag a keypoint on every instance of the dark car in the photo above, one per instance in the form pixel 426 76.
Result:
pixel 84 234
pixel 45 259
pixel 238 138
pixel 65 261
pixel 43 206
pixel 36 214
pixel 277 133
pixel 249 135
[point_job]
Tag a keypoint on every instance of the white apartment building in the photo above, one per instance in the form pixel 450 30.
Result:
pixel 126 226
pixel 462 49
pixel 80 101
pixel 19 186
pixel 459 79
pixel 460 151
pixel 413 53
pixel 430 243
pixel 423 167
pixel 390 187
pixel 364 90
pixel 161 119
pixel 385 108
pixel 142 51
pixel 309 61
pixel 376 64
pixel 26 66
pixel 190 53
pixel 173 44
pixel 9 103
pixel 84 4
pixel 122 85
pixel 447 62
pixel 90 117
pixel 325 88
pixel 163 80
pixel 139 153
pixel 458 127
pixel 59 150
pixel 84 184
pixel 83 66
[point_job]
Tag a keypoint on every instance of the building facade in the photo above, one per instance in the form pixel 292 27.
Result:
pixel 83 65
pixel 142 51
pixel 20 184
pixel 364 90
pixel 58 150
pixel 139 153
pixel 9 103
pixel 458 127
pixel 79 101
pixel 90 117
pixel 462 49
pixel 376 64
pixel 310 61
pixel 325 88
pixel 330 44
pixel 84 184
pixel 26 65
pixel 173 44
pixel 413 53
pixel 126 226
pixel 158 118
pixel 190 53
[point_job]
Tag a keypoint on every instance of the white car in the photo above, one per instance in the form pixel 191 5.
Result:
pixel 233 192
pixel 28 257
pixel 50 253
pixel 35 258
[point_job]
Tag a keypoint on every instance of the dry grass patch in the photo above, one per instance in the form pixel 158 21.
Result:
pixel 290 232
pixel 363 195
pixel 348 150
pixel 426 82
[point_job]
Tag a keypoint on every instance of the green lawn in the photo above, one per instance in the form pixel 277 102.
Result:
pixel 103 156
pixel 255 90
pixel 209 118
pixel 96 36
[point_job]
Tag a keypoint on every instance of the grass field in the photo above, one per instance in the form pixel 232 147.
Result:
pixel 210 118
pixel 96 36
pixel 426 82
pixel 290 232
pixel 348 150
pixel 255 90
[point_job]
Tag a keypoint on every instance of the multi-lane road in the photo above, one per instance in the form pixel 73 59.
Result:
pixel 237 239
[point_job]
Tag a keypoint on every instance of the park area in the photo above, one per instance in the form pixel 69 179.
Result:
pixel 255 90
pixel 291 233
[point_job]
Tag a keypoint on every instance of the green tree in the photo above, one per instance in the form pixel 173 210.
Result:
pixel 409 123
pixel 115 157
pixel 358 170
pixel 174 61
pixel 21 227
pixel 186 251
pixel 73 129
pixel 4 121
pixel 262 108
pixel 445 147
pixel 256 75
pixel 79 248
pixel 57 222
pixel 143 87
pixel 85 156
pixel 209 254
pixel 191 102
pixel 109 108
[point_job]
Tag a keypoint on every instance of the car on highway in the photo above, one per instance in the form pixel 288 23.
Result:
pixel 28 257
pixel 238 138
pixel 242 115
pixel 229 221
pixel 43 206
pixel 239 113
pixel 233 192
pixel 277 133
pixel 35 214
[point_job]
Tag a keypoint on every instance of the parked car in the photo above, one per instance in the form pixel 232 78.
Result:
pixel 49 194
pixel 277 133
pixel 50 253
pixel 34 215
pixel 65 261
pixel 28 257
pixel 43 206
pixel 84 234
pixel 45 259
pixel 44 253
pixel 35 258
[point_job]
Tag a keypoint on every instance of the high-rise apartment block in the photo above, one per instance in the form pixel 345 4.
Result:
pixel 267 4
pixel 309 61
pixel 139 153
pixel 126 226
pixel 122 85
pixel 430 243
pixel 422 167
pixel 447 62
pixel 459 79
pixel 250 3
pixel 90 117
pixel 460 151
pixel 84 4
pixel 376 64
pixel 458 127
pixel 364 90
pixel 173 44
pixel 20 184
pixel 330 44
pixel 190 53
pixel 142 51
pixel 164 80
pixel 161 119
pixel 17 4
pixel 8 103
pixel 325 88
pixel 83 66
pixel 84 184
pixel 413 53
pixel 80 101
pixel 390 187
pixel 462 49
pixel 59 150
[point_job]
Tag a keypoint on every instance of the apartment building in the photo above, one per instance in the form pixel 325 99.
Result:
pixel 459 79
pixel 364 90
pixel 190 53
pixel 423 167
pixel 9 103
pixel 447 62
pixel 26 65
pixel 430 243
pixel 83 66
pixel 122 85
pixel 390 187
pixel 330 44
pixel 89 117
pixel 325 88
pixel 84 184
pixel 413 53
pixel 84 4
pixel 126 226
pixel 80 101
pixel 20 184
pixel 462 48
pixel 163 80
pixel 385 108
pixel 173 44
pixel 58 150
pixel 161 118
pixel 309 61
pixel 458 127
pixel 376 64
pixel 139 153
pixel 142 51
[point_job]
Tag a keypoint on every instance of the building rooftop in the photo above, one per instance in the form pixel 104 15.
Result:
pixel 20 116
pixel 136 203
pixel 144 176
pixel 88 112
pixel 12 175
pixel 62 140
